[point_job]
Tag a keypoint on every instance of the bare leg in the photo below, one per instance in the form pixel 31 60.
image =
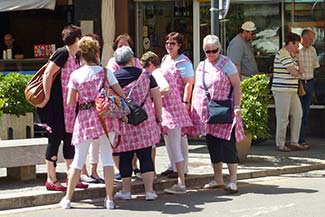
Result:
pixel 180 171
pixel 94 171
pixel 126 184
pixel 134 162
pixel 116 162
pixel 217 169
pixel 148 181
pixel 74 176
pixel 84 170
pixel 232 168
pixel 109 181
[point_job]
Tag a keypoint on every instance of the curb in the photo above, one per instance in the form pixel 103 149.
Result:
pixel 137 187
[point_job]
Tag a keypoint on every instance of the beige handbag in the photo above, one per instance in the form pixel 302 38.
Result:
pixel 301 90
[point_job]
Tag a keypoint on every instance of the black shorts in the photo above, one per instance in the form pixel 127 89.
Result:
pixel 222 150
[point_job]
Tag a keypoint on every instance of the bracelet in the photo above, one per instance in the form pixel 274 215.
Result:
pixel 236 106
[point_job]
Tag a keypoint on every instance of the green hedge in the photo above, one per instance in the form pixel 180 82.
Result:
pixel 12 97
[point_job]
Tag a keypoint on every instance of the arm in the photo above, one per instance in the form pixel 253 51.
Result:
pixel 48 77
pixel 72 97
pixel 239 71
pixel 118 90
pixel 155 94
pixel 188 87
pixel 293 71
pixel 235 83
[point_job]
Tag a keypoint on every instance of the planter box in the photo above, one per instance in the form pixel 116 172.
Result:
pixel 13 127
pixel 244 147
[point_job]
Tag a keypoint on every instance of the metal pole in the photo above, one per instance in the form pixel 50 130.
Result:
pixel 214 12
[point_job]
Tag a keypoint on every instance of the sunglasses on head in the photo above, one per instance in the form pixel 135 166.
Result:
pixel 170 43
pixel 211 51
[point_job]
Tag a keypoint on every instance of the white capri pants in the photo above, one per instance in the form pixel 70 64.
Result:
pixel 173 146
pixel 81 151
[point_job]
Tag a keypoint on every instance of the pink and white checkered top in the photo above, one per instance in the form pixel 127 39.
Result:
pixel 174 114
pixel 171 66
pixel 146 133
pixel 87 125
pixel 69 112
pixel 219 87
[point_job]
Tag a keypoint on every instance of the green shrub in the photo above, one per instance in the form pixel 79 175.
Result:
pixel 12 97
pixel 254 103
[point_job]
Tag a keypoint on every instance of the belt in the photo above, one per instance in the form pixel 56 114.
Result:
pixel 306 81
pixel 87 105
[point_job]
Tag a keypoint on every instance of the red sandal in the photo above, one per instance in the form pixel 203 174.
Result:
pixel 53 187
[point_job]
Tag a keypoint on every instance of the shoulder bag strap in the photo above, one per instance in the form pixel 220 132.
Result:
pixel 204 85
pixel 132 88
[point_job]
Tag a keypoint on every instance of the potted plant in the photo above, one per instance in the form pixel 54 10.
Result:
pixel 254 103
pixel 15 112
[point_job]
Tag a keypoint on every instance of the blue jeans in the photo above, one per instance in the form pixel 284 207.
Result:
pixel 305 104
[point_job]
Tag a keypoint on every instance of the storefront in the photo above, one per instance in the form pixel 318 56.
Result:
pixel 273 19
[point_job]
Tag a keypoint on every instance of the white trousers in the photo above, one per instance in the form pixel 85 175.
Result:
pixel 287 104
pixel 177 148
pixel 105 149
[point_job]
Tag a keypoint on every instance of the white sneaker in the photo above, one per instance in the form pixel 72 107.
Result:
pixel 65 203
pixel 213 184
pixel 109 204
pixel 176 189
pixel 151 195
pixel 122 195
pixel 231 187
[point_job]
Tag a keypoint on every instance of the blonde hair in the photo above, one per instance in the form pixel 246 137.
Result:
pixel 150 57
pixel 89 48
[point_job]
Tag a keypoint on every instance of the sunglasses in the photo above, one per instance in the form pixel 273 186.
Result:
pixel 212 51
pixel 170 43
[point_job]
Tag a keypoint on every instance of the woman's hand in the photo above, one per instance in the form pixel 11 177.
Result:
pixel 237 112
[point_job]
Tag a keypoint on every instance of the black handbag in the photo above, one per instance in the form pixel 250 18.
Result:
pixel 219 110
pixel 138 114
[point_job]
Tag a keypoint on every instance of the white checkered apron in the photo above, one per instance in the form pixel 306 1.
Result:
pixel 87 125
pixel 69 112
pixel 174 114
pixel 219 87
pixel 146 133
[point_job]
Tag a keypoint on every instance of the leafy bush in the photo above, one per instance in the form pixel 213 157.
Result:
pixel 254 101
pixel 12 97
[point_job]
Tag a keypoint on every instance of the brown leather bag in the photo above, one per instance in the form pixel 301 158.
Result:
pixel 301 91
pixel 34 92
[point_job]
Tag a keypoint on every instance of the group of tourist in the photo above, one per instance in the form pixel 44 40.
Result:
pixel 174 97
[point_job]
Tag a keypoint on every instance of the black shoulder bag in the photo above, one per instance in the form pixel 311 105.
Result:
pixel 138 114
pixel 219 110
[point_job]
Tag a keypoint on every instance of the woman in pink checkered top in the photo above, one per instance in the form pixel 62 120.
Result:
pixel 174 116
pixel 84 85
pixel 220 77
pixel 137 139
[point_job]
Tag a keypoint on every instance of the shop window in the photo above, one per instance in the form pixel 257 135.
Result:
pixel 157 19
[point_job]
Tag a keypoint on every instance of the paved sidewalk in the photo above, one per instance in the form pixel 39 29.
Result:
pixel 262 161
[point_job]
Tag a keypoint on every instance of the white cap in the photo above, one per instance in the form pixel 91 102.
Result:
pixel 248 26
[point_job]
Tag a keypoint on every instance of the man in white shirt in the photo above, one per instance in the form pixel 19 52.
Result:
pixel 308 58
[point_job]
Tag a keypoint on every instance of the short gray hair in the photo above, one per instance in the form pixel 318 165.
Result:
pixel 211 40
pixel 123 55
